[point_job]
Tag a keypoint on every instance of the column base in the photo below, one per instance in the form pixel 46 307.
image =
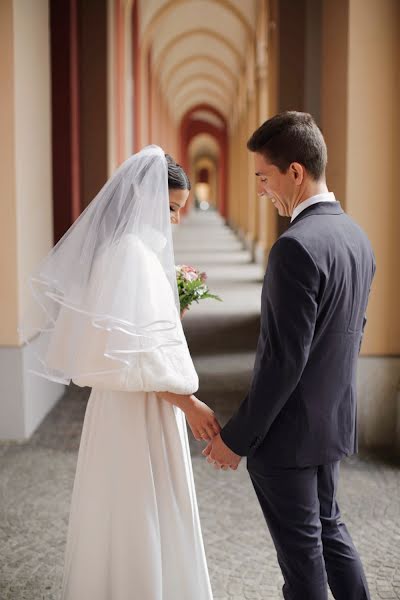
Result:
pixel 250 244
pixel 379 402
pixel 261 254
pixel 25 399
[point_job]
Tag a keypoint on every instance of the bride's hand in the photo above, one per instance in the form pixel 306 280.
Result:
pixel 202 420
pixel 183 312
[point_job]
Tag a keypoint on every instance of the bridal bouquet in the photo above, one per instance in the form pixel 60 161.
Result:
pixel 192 286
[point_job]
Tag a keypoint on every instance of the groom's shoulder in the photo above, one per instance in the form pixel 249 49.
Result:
pixel 302 243
pixel 286 241
pixel 290 247
pixel 319 237
pixel 325 230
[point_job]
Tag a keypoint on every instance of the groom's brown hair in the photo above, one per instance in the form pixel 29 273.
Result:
pixel 289 137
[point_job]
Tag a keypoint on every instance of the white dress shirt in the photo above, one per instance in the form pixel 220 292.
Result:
pixel 325 197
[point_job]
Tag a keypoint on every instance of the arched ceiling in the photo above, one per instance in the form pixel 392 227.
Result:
pixel 199 99
pixel 203 145
pixel 197 49
pixel 208 117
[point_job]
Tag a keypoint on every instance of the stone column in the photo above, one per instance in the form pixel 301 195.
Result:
pixel 360 97
pixel 233 187
pixel 26 215
pixel 243 195
pixel 251 124
pixel 266 68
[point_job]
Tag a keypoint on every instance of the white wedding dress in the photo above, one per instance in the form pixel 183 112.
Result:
pixel 134 531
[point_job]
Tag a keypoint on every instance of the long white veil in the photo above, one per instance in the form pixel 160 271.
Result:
pixel 110 278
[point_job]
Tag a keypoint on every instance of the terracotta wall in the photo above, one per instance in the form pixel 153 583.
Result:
pixel 93 97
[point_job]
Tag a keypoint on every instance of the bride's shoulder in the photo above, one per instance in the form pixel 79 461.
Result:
pixel 148 238
pixel 131 244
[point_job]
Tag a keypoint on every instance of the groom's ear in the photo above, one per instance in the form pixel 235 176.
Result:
pixel 297 172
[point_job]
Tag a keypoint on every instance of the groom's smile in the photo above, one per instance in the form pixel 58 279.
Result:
pixel 271 182
pixel 285 188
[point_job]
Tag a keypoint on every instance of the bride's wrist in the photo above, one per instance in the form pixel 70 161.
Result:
pixel 183 401
pixel 186 403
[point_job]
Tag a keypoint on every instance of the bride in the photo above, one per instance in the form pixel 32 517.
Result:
pixel 110 319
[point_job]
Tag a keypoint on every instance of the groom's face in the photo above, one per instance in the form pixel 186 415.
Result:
pixel 274 184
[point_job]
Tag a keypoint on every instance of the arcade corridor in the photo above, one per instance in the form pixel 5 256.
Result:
pixel 83 86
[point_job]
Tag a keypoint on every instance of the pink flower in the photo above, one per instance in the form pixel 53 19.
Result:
pixel 188 269
pixel 190 276
pixel 189 273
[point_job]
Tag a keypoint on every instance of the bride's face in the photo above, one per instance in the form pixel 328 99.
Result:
pixel 177 200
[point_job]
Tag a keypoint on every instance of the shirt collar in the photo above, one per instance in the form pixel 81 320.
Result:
pixel 324 197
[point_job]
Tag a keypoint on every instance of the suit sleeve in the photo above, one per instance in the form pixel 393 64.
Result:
pixel 288 315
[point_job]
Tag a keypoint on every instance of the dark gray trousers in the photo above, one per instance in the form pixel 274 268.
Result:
pixel 313 545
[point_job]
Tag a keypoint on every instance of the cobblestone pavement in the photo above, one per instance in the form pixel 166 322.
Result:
pixel 36 476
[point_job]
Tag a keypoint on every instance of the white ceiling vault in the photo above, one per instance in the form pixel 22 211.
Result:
pixel 198 49
pixel 204 145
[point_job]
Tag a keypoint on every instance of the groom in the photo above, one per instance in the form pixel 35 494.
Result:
pixel 299 416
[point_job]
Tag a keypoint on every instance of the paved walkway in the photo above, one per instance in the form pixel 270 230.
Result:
pixel 36 476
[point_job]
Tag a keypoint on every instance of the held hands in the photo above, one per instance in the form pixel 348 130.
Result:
pixel 217 452
pixel 204 426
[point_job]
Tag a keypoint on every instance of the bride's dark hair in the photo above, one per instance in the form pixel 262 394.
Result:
pixel 177 178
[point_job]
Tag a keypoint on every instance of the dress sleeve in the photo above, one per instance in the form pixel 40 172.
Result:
pixel 157 360
pixel 166 369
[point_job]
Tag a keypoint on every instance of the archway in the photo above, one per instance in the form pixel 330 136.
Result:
pixel 205 119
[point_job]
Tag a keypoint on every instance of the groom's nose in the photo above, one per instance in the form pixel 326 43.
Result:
pixel 260 188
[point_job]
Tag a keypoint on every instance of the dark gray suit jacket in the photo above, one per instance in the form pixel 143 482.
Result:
pixel 301 407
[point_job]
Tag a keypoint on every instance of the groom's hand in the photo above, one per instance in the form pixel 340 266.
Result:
pixel 217 452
